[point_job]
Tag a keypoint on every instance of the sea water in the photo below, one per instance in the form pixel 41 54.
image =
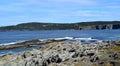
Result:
pixel 12 37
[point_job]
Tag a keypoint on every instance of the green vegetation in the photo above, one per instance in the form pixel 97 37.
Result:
pixel 64 26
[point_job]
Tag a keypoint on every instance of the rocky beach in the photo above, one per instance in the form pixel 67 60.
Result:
pixel 60 33
pixel 57 53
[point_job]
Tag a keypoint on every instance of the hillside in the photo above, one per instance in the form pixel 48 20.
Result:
pixel 96 25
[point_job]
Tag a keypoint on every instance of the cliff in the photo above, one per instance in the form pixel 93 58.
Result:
pixel 97 25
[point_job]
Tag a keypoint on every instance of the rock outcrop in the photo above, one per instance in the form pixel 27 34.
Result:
pixel 29 43
pixel 66 54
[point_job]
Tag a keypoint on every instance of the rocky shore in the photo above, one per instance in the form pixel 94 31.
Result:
pixel 28 43
pixel 106 53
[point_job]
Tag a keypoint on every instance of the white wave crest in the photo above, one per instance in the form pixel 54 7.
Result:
pixel 67 38
pixel 11 43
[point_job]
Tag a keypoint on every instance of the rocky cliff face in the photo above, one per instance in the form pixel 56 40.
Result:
pixel 108 26
pixel 100 27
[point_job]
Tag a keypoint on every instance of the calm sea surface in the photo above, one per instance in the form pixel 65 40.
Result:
pixel 14 36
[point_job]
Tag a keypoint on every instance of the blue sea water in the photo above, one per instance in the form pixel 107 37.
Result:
pixel 16 36
pixel 13 36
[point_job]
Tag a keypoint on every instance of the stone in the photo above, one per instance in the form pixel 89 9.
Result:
pixel 75 55
pixel 90 54
pixel 72 50
pixel 60 55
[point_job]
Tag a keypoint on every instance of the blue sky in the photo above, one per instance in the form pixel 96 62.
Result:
pixel 58 11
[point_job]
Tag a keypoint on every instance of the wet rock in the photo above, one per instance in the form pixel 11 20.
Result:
pixel 54 59
pixel 64 49
pixel 91 54
pixel 94 59
pixel 57 59
pixel 44 63
pixel 49 60
pixel 101 62
pixel 72 50
pixel 75 55
pixel 113 63
pixel 114 55
pixel 81 54
pixel 29 43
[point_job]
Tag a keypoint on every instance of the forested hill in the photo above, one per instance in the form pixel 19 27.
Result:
pixel 96 25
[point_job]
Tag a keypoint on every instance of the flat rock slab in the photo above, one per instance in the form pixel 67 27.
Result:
pixel 27 44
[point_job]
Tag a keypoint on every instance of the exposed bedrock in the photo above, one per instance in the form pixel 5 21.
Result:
pixel 64 55
pixel 29 43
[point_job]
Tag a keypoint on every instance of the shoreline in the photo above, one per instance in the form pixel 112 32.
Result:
pixel 70 54
pixel 30 43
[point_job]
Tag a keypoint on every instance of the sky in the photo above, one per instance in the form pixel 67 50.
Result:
pixel 13 12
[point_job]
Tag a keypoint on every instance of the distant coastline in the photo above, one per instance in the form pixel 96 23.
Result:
pixel 95 25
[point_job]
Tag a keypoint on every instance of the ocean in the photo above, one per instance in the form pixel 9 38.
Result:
pixel 11 37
